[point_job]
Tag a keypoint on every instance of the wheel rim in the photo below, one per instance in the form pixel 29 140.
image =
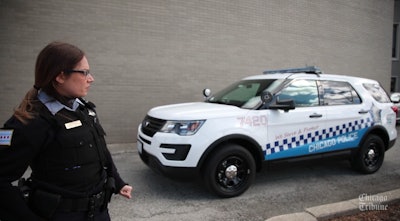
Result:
pixel 232 173
pixel 371 156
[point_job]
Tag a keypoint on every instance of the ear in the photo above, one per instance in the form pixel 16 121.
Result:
pixel 61 77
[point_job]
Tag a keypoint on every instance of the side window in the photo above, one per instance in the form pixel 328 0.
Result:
pixel 377 92
pixel 339 93
pixel 303 92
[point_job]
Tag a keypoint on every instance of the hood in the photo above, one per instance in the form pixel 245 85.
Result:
pixel 195 111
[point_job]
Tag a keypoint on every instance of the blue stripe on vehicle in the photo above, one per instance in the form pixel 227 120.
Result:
pixel 329 139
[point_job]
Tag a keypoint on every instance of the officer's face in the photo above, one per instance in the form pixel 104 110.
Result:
pixel 75 84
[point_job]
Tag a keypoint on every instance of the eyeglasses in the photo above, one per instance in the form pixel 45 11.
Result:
pixel 84 72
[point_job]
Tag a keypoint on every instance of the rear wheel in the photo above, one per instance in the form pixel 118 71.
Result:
pixel 369 157
pixel 229 171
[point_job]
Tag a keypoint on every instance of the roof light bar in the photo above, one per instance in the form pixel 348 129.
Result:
pixel 308 69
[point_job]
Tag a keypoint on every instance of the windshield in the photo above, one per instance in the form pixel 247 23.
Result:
pixel 245 93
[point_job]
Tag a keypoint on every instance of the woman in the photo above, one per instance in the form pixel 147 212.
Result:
pixel 57 134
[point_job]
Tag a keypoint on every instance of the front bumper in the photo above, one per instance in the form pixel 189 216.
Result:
pixel 170 154
pixel 183 173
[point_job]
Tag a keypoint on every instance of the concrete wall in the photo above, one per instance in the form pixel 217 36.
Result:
pixel 396 61
pixel 146 53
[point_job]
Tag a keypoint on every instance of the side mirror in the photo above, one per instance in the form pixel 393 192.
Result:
pixel 285 105
pixel 395 98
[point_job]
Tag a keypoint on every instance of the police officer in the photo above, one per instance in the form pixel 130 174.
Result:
pixel 58 135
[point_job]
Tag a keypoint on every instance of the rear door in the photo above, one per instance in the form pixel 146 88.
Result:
pixel 347 116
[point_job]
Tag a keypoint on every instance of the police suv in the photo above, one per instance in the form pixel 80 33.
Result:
pixel 282 114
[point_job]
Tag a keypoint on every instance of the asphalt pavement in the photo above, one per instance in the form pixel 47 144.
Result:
pixel 125 154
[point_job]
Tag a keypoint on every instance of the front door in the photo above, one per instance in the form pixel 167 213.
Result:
pixel 297 132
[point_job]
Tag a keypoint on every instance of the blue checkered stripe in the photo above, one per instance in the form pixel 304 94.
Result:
pixel 297 141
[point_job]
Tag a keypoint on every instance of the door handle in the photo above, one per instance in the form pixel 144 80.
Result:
pixel 363 112
pixel 315 115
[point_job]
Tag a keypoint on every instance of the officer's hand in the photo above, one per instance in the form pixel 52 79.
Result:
pixel 126 191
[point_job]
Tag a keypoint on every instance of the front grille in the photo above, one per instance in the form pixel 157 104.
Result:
pixel 151 125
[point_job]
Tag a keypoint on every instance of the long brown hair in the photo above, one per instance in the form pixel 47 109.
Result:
pixel 55 58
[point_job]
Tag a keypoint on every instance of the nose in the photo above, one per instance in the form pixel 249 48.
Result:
pixel 90 78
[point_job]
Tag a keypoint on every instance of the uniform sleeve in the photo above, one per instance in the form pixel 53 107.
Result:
pixel 113 171
pixel 14 160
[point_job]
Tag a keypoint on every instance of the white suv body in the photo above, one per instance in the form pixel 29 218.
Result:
pixel 289 114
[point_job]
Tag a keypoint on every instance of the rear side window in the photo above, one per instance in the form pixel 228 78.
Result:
pixel 377 92
pixel 339 93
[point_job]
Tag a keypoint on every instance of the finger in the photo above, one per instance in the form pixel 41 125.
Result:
pixel 126 193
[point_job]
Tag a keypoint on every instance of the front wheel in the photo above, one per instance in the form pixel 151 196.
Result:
pixel 369 157
pixel 229 171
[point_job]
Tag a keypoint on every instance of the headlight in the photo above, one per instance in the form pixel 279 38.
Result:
pixel 183 128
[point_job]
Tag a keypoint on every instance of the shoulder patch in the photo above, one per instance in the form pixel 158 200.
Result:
pixel 5 137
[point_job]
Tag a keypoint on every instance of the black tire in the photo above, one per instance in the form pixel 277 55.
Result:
pixel 369 157
pixel 229 171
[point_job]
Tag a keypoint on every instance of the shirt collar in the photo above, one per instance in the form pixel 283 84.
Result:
pixel 54 105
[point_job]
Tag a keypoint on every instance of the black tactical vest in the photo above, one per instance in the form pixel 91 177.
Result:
pixel 73 159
